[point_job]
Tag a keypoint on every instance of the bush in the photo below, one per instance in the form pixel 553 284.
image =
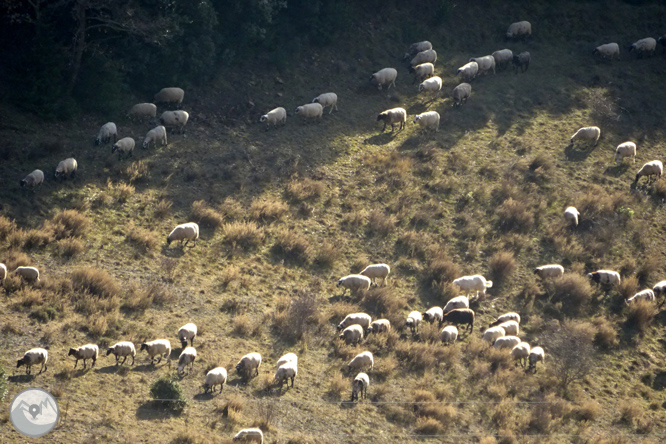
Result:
pixel 292 246
pixel 573 291
pixel 268 210
pixel 514 215
pixel 94 281
pixel 245 235
pixel 502 265
pixel 73 223
pixel 69 247
pixel 305 189
pixel 206 216
pixel 141 238
pixel 327 255
pixel 294 319
pixel 168 394
pixel 640 315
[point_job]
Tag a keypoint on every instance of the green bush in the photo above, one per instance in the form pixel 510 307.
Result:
pixel 168 394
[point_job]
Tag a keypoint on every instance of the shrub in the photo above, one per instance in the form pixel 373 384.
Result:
pixel 292 246
pixel 513 215
pixel 168 394
pixel 502 265
pixel 327 255
pixel 573 291
pixel 294 319
pixel 442 269
pixel 380 223
pixel 305 189
pixel 6 227
pixel 337 387
pixel 206 216
pixel 141 238
pixel 383 302
pixel 245 235
pixel 429 427
pixel 588 410
pixel 628 286
pixel 73 223
pixel 94 281
pixel 606 335
pixel 162 209
pixel 69 247
pixel 136 172
pixel 640 315
pixel 32 238
pixel 268 210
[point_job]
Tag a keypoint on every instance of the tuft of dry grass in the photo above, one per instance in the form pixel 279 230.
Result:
pixel 606 335
pixel 292 246
pixel 514 215
pixel 6 227
pixel 136 172
pixel 384 302
pixel 94 281
pixel 229 276
pixel 573 291
pixel 502 266
pixel 327 255
pixel 305 190
pixel 381 224
pixel 73 223
pixel 162 209
pixel 588 410
pixel 298 317
pixel 244 325
pixel 628 286
pixel 142 238
pixel 640 315
pixel 124 191
pixel 206 216
pixel 268 210
pixel 429 427
pixel 337 387
pixel 245 235
pixel 69 247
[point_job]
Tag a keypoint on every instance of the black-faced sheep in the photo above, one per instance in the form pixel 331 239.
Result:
pixel 521 61
pixel 461 93
pixel 122 350
pixel 274 116
pixel 184 233
pixel 643 47
pixel 217 376
pixel 607 277
pixel 360 385
pixel 384 77
pixel 519 30
pixel 653 169
pixel 85 352
pixel 66 168
pixel 33 357
pixel 377 271
pixel 354 283
pixel 461 316
pixel 33 179
pixel 393 116
pixel 187 357
pixel 170 95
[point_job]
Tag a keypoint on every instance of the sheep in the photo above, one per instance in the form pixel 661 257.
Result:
pixel 588 133
pixel 415 48
pixel 427 56
pixel 605 277
pixel 423 71
pixel 460 316
pixel 428 120
pixel 457 302
pixel 413 320
pixel 461 93
pixel 550 271
pixel 493 333
pixel 393 116
pixel 85 352
pixel 352 334
pixel 3 273
pixel 33 179
pixel 361 319
pixel 521 61
pixel 432 85
pixel 184 232
pixel 187 333
pixel 122 350
pixel 250 435
pixel 502 58
pixel 511 328
pixel 141 111
pixel 310 111
pixel 519 29
pixel 507 342
pixel 327 99
pixel 216 376
pixel 468 71
pixel 360 384
pixel 123 146
pixel 377 271
pixel 248 364
pixel 274 116
pixel 66 168
pixel 383 77
pixel 653 168
pixel 626 149
pixel 521 352
pixel 177 119
pixel 449 334
pixel 608 51
pixel 160 348
pixel 362 360
pixel 379 326
pixel 536 354
pixel 33 357
pixel 28 274
pixel 354 283
pixel 511 316
pixel 571 215
pixel 486 63
pixel 644 46
pixel 434 314
pixel 469 284
pixel 285 372
pixel 645 295
pixel 187 357
pixel 659 288
pixel 155 135
pixel 289 357
pixel 106 133
pixel 170 95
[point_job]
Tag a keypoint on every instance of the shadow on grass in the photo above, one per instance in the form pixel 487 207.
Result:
pixel 382 138
pixel 113 368
pixel 577 155
pixel 21 378
pixel 617 170
pixel 152 410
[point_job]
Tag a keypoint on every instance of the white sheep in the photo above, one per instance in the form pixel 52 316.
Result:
pixel 362 361
pixel 33 357
pixel 536 354
pixel 187 333
pixel 288 357
pixel 124 146
pixel 475 283
pixel 377 271
pixel 432 86
pixel 428 120
pixel 122 350
pixel 427 56
pixel 285 372
pixel 248 364
pixel 274 116
pixel 434 314
pixel 608 51
pixel 588 134
pixel 423 71
pixel 511 328
pixel 250 435
pixel 519 29
pixel 184 233
pixel 66 168
pixel 571 215
pixel 383 77
pixel 354 283
pixel 176 119
pixel 415 48
pixel 217 376
pixel 33 179
pixel 507 342
pixel 511 316
pixel 352 334
pixel 659 288
pixel 493 333
pixel 393 116
pixel 310 111
pixel 3 273
pixel 455 303
pixel 361 319
pixel 650 169
pixel 158 348
pixel 449 334
pixel 360 385
pixel 468 71
pixel 644 46
pixel 107 132
pixel 187 357
pixel 461 93
pixel 327 99
pixel 380 325
pixel 28 274
pixel 155 136
pixel 608 277
pixel 141 111
pixel 521 352
pixel 413 320
pixel 503 58
pixel 645 295
pixel 626 149
pixel 170 95
pixel 550 271
pixel 85 352
pixel 486 63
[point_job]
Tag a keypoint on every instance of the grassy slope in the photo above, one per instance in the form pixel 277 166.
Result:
pixel 440 195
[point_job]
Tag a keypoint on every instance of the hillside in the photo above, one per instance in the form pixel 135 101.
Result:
pixel 284 213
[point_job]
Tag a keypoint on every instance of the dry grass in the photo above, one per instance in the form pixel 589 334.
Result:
pixel 162 209
pixel 206 216
pixel 70 223
pixel 640 315
pixel 502 266
pixel 305 190
pixel 292 246
pixel 69 247
pixel 268 210
pixel 144 240
pixel 6 227
pixel 124 191
pixel 245 235
pixel 573 291
pixel 327 255
pixel 137 171
pixel 94 281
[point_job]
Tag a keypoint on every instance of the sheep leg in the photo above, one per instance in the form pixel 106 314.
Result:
pixel 292 382
pixel 125 359
pixel 132 361
pixel 43 369
pixel 93 360
pixel 77 362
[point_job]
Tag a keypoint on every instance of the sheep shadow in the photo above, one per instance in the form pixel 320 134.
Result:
pixel 152 410
pixel 617 170
pixel 149 367
pixel 175 252
pixel 348 405
pixel 201 397
pixel 576 155
pixel 382 138
pixel 21 378
pixel 113 368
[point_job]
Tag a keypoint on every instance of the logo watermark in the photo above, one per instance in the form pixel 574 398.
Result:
pixel 34 412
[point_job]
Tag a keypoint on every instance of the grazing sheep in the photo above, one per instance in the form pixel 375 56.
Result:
pixel 155 135
pixel 85 352
pixel 468 71
pixel 248 364
pixel 571 215
pixel 28 274
pixel 142 111
pixel 250 435
pixel 470 284
pixel 33 357
pixel 415 48
pixel 423 71
pixel 503 58
pixel 519 29
pixel 360 384
pixel 605 277
pixel 362 361
pixel 352 334
pixel 626 149
pixel 457 302
pixel 413 320
pixel 486 63
pixel 158 348
pixel 354 283
pixel 588 134
pixel 383 77
pixel 432 85
pixel 106 133
pixel 33 179
pixel 643 47
pixel 521 61
pixel 511 316
pixel 550 271
pixel 380 325
pixel 427 56
pixel 289 357
pixel 608 51
pixel 511 328
pixel 493 333
pixel 361 319
pixel 460 316
pixel 312 111
pixel 393 116
pixel 177 119
pixel 122 350
pixel 507 342
pixel 170 95
pixel 449 334
pixel 461 93
pixel 66 168
pixel 327 99
pixel 428 120
pixel 187 333
pixel 217 376
pixel 653 168
pixel 3 273
pixel 521 352
pixel 123 146
pixel 377 271
pixel 274 116
pixel 184 232
pixel 286 371
pixel 434 314
pixel 645 295
pixel 659 288
pixel 187 357
pixel 536 354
